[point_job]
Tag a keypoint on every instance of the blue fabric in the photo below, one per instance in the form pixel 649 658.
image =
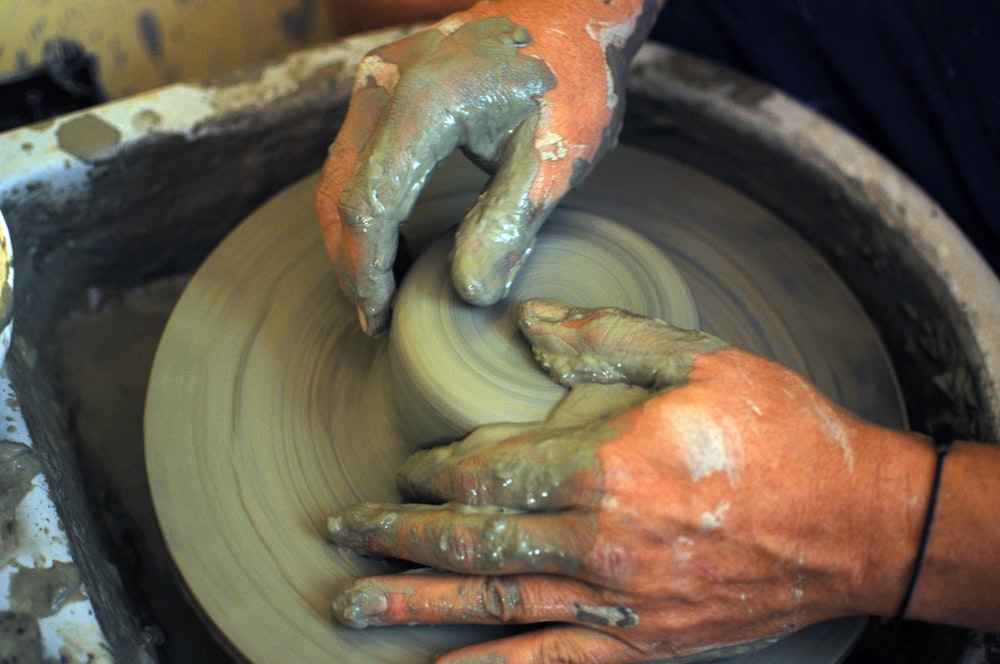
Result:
pixel 918 80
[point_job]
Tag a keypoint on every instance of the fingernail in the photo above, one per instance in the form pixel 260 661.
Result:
pixel 363 320
pixel 355 526
pixel 481 283
pixel 343 535
pixel 372 322
pixel 361 605
pixel 335 528
pixel 480 293
pixel 539 310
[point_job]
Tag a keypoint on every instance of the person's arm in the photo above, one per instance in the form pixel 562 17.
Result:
pixel 532 90
pixel 734 505
pixel 959 583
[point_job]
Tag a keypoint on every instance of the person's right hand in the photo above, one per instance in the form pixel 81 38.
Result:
pixel 732 505
pixel 531 90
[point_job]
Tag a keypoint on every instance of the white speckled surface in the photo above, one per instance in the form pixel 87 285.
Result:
pixel 33 549
pixel 69 629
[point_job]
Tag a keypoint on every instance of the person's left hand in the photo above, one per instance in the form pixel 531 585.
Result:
pixel 532 90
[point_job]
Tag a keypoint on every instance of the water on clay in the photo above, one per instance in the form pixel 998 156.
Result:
pixel 107 350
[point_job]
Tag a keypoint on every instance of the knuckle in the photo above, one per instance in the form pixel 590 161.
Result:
pixel 608 560
pixel 457 550
pixel 501 599
pixel 355 210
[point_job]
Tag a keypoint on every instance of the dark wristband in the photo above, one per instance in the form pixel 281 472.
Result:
pixel 943 437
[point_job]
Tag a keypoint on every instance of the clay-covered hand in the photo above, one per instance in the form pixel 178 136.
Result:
pixel 531 89
pixel 731 505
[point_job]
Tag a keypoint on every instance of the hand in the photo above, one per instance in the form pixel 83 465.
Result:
pixel 532 90
pixel 732 505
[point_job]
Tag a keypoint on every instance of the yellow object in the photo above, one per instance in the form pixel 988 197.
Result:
pixel 143 44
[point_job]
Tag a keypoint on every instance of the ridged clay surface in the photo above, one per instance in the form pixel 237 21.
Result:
pixel 268 409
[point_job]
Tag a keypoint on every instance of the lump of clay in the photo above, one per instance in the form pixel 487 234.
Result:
pixel 455 366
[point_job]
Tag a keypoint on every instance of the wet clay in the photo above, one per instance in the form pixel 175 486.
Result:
pixel 606 616
pixel 579 258
pixel 647 352
pixel 269 409
pixel 88 138
pixel 465 85
pixel 532 480
pixel 502 541
pixel 366 602
pixel 492 471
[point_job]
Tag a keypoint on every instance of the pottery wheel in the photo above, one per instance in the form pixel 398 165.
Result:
pixel 268 409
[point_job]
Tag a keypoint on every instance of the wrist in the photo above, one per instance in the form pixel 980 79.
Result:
pixel 895 486
pixel 958 582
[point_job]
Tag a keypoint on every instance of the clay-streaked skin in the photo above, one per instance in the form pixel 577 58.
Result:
pixel 664 529
pixel 633 349
pixel 532 91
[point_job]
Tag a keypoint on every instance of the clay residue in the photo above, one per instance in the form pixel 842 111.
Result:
pixel 88 137
pixel 20 638
pixel 256 86
pixel 707 448
pixel 18 466
pixel 44 591
pixel 6 305
pixel 606 616
pixel 636 350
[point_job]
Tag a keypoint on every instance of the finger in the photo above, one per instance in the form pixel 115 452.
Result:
pixel 463 539
pixel 346 248
pixel 552 645
pixel 607 345
pixel 445 599
pixel 466 85
pixel 519 467
pixel 580 645
pixel 463 84
pixel 499 231
pixel 380 194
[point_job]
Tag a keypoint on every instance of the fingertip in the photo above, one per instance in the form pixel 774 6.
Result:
pixel 374 322
pixel 482 277
pixel 416 478
pixel 538 310
pixel 360 604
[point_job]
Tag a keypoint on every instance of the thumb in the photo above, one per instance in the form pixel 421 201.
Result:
pixel 608 345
